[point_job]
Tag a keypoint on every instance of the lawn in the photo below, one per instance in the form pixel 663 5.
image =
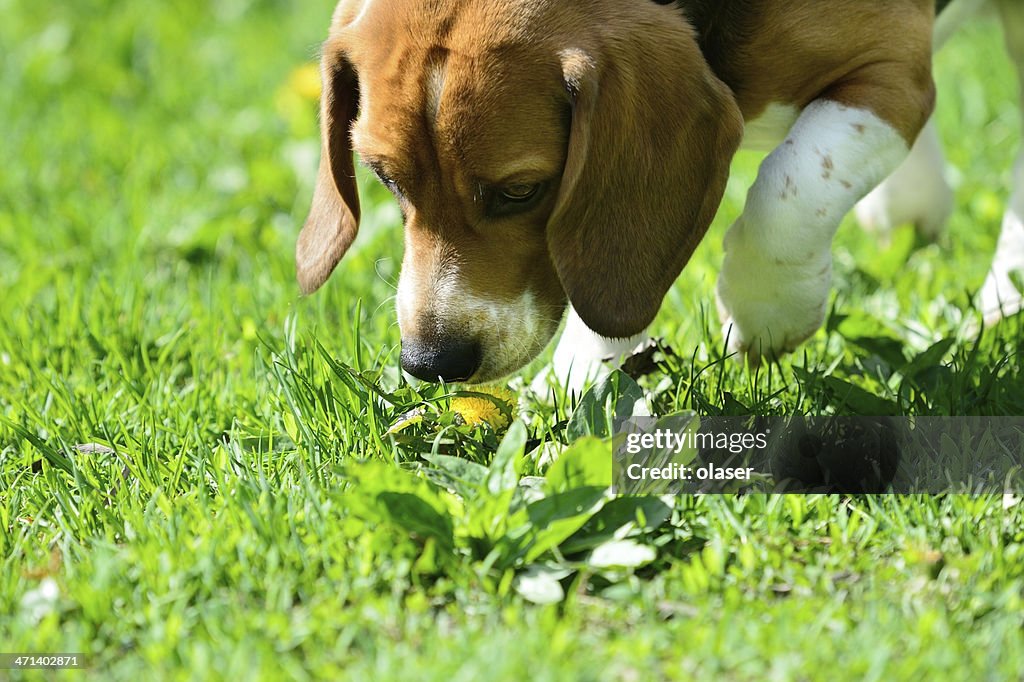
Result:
pixel 204 475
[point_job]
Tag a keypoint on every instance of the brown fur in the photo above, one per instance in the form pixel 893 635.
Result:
pixel 625 111
pixel 873 54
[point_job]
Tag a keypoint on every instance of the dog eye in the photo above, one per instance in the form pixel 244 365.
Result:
pixel 513 199
pixel 389 183
pixel 385 179
pixel 519 193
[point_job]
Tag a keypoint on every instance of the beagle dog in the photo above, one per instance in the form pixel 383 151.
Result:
pixel 550 154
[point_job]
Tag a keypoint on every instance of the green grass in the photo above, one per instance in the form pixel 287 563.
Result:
pixel 249 515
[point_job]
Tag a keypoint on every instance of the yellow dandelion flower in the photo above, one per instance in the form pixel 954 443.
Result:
pixel 304 81
pixel 494 406
pixel 296 96
pixel 478 411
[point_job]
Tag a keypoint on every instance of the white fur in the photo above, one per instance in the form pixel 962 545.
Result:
pixel 583 356
pixel 999 296
pixel 435 81
pixel 510 332
pixel 774 284
pixel 916 193
pixel 362 10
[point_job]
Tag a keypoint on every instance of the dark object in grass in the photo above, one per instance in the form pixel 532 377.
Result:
pixel 646 358
pixel 834 454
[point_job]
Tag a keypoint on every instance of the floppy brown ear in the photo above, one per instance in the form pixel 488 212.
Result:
pixel 653 132
pixel 334 215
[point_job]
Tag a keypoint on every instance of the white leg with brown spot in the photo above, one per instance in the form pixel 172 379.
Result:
pixel 915 194
pixel 582 356
pixel 774 285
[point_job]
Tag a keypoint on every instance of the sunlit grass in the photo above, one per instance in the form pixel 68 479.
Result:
pixel 224 479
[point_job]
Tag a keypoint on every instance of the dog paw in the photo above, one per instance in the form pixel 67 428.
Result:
pixel 999 298
pixel 768 309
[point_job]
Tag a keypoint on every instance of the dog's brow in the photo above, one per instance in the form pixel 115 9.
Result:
pixel 366 147
pixel 381 168
pixel 365 143
pixel 521 169
pixel 373 161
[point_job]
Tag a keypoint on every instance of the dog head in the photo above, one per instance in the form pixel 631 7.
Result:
pixel 541 151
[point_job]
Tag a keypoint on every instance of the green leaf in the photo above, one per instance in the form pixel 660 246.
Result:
pixel 291 427
pixel 888 348
pixel 733 407
pixel 617 518
pixel 617 395
pixel 556 518
pixel 501 475
pixel 928 359
pixel 410 418
pixel 464 476
pixel 861 324
pixel 417 516
pixel 587 462
pixel 892 259
pixel 859 400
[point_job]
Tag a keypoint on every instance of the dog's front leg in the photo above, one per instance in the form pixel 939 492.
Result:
pixel 583 356
pixel 774 285
pixel 999 296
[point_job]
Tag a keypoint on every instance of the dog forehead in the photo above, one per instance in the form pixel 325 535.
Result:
pixel 473 82
pixel 372 31
pixel 442 16
pixel 486 110
pixel 463 123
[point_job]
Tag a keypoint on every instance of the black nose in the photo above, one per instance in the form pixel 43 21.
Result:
pixel 447 360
